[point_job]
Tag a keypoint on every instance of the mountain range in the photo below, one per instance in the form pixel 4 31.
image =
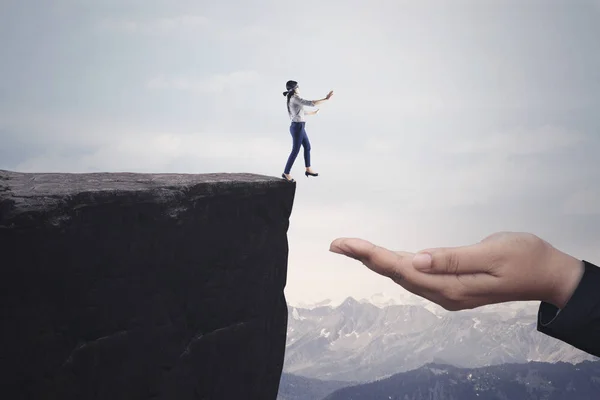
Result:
pixel 529 381
pixel 359 341
pixel 292 387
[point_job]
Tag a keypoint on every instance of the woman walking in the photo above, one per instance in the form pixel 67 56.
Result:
pixel 295 106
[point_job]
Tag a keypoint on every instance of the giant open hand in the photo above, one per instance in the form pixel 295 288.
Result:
pixel 505 266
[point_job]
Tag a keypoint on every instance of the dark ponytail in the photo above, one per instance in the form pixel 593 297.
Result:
pixel 290 86
pixel 289 96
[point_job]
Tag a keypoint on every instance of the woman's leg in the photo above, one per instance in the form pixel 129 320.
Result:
pixel 306 145
pixel 296 131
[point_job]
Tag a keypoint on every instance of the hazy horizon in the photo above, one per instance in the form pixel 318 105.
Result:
pixel 450 120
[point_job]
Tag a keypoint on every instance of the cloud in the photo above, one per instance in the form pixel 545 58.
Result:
pixel 583 202
pixel 184 24
pixel 156 26
pixel 487 169
pixel 519 141
pixel 155 151
pixel 214 84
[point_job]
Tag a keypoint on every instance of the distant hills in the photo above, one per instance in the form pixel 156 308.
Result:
pixel 360 341
pixel 530 381
pixel 294 387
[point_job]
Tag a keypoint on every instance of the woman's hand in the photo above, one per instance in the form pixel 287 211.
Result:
pixel 503 267
pixel 317 102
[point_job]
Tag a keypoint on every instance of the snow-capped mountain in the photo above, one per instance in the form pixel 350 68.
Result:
pixel 377 299
pixel 360 341
pixel 322 303
pixel 382 300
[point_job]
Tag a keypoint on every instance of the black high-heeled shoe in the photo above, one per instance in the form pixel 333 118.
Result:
pixel 285 177
pixel 310 173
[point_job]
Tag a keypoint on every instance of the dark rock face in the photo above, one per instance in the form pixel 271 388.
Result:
pixel 134 286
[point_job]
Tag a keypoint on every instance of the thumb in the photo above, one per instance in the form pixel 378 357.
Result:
pixel 453 260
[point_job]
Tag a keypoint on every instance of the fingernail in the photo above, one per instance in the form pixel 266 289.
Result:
pixel 346 251
pixel 422 261
pixel 335 249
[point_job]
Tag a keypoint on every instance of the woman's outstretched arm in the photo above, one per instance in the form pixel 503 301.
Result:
pixel 317 102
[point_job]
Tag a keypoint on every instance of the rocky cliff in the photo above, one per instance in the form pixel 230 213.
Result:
pixel 135 286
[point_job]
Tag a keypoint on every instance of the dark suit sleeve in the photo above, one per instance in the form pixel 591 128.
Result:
pixel 578 323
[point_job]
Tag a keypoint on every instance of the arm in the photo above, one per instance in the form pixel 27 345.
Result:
pixel 311 112
pixel 317 102
pixel 578 321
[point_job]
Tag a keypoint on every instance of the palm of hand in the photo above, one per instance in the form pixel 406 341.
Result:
pixel 503 267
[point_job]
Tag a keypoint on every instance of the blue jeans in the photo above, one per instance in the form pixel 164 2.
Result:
pixel 299 139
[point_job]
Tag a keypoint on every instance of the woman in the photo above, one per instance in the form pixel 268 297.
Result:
pixel 295 106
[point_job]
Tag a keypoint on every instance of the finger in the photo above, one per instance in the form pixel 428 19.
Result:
pixel 471 259
pixel 378 259
pixel 452 292
pixel 394 265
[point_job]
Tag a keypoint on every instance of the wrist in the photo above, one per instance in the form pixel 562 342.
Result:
pixel 567 272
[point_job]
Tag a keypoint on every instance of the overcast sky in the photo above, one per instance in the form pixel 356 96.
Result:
pixel 451 119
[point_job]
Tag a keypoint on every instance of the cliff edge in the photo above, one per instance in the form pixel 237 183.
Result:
pixel 142 286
